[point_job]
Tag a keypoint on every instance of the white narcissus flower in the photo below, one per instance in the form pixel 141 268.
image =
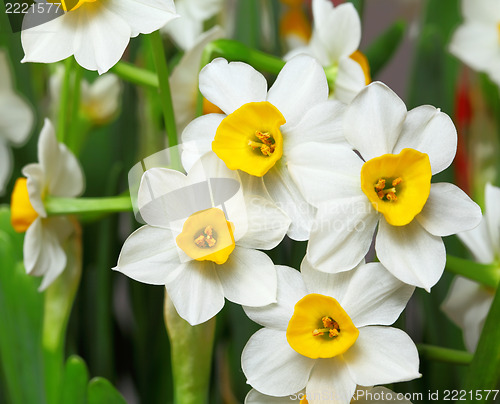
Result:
pixel 16 120
pixel 468 302
pixel 335 40
pixel 96 32
pixel 389 187
pixel 58 173
pixel 477 41
pixel 201 239
pixel 362 395
pixel 260 127
pixel 186 30
pixel 328 333
pixel 184 80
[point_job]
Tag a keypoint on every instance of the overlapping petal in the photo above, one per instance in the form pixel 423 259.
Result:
pixel 330 382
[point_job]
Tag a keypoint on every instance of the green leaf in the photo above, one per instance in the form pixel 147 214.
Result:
pixel 21 314
pixel 383 48
pixel 487 274
pixel 101 391
pixel 75 380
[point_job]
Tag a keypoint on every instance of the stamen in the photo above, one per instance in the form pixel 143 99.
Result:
pixel 389 194
pixel 206 239
pixel 267 147
pixel 331 327
pixel 397 181
pixel 380 185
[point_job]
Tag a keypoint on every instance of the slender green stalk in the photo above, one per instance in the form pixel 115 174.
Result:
pixel 59 299
pixel 191 349
pixel 484 371
pixel 164 87
pixel 72 206
pixel 73 140
pixel 487 274
pixel 447 355
pixel 64 101
pixel 136 75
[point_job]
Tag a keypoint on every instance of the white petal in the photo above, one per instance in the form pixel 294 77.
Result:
pixel 374 395
pixel 325 172
pixel 48 150
pixel 16 118
pixel 149 255
pixel 5 73
pixel 203 9
pixel 410 253
pixel 290 289
pixel 467 305
pixel 481 10
pixel 272 366
pixel 492 198
pixel 5 166
pixel 374 119
pixel 32 247
pixel 330 383
pixel 104 97
pixel 429 131
pixel 322 123
pixel 254 397
pixel 36 187
pixel 287 196
pixel 342 234
pixel 382 355
pixel 184 31
pixel 350 80
pixel 197 138
pixel 144 16
pixel 184 80
pixel 248 277
pixel 230 85
pixel 478 241
pixel 448 210
pixel 196 292
pixel 338 30
pixel 300 85
pixel 69 180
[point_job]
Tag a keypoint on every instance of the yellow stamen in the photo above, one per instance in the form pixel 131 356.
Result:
pixel 304 335
pixel 249 139
pixel 207 236
pixel 400 200
pixel 22 213
pixel 361 59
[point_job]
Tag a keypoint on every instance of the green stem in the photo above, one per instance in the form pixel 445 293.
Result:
pixel 72 206
pixel 64 101
pixel 487 274
pixel 191 349
pixel 59 299
pixel 440 354
pixel 164 87
pixel 136 75
pixel 74 140
pixel 484 371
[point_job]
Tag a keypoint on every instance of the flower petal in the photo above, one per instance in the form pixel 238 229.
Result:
pixel 342 234
pixel 330 383
pixel 410 253
pixel 350 80
pixel 248 277
pixel 290 289
pixel 478 242
pixel 322 124
pixel 370 395
pixel 448 210
pixel 5 166
pixel 16 118
pixel 196 292
pixel 35 184
pixel 149 255
pixel 325 172
pixel 254 397
pixel 492 197
pixel 429 131
pixel 300 85
pixel 374 119
pixel 230 85
pixel 382 355
pixel 287 196
pixel 272 366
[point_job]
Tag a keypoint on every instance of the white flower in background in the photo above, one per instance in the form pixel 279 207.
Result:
pixel 389 187
pixel 57 173
pixel 99 100
pixel 260 127
pixel 477 41
pixel 96 32
pixel 335 40
pixel 16 120
pixel 184 81
pixel 327 334
pixel 362 395
pixel 468 302
pixel 186 30
pixel 201 239
pixel 295 28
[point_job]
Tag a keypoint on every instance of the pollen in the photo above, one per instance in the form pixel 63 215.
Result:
pixel 206 238
pixel 330 326
pixel 387 193
pixel 266 144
